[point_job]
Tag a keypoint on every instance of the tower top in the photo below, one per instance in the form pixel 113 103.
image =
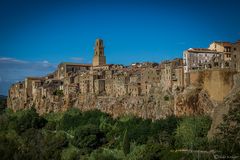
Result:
pixel 99 58
pixel 98 43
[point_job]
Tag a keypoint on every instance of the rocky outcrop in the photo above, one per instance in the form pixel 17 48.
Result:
pixel 158 104
pixel 193 101
pixel 223 108
pixel 153 106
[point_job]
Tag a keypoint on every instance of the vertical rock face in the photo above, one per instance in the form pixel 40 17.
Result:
pixel 153 106
pixel 223 108
pixel 158 104
pixel 193 101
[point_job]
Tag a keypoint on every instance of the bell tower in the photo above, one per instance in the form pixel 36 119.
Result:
pixel 99 58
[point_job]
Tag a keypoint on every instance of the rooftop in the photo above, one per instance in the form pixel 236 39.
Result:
pixel 75 64
pixel 200 50
pixel 228 44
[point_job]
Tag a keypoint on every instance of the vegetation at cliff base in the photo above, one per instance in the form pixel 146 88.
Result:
pixel 3 103
pixel 95 135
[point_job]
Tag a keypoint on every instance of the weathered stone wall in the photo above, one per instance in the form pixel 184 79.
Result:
pixel 223 108
pixel 217 83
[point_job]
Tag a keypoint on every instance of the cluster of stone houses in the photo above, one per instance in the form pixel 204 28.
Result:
pixel 138 79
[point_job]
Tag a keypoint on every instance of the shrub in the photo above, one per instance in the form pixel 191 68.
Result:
pixel 58 92
pixel 107 154
pixel 166 98
pixel 88 137
pixel 29 119
pixel 192 132
pixel 227 139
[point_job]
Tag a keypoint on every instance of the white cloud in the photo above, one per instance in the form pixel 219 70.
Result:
pixel 11 60
pixel 45 63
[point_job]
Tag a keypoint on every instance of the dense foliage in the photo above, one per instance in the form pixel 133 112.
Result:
pixel 94 135
pixel 228 139
pixel 3 103
pixel 192 133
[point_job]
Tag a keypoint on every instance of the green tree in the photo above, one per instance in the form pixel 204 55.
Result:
pixel 106 154
pixel 228 138
pixel 126 143
pixel 88 138
pixel 192 132
pixel 70 120
pixel 37 144
pixel 9 147
pixel 58 92
pixel 29 119
pixel 3 104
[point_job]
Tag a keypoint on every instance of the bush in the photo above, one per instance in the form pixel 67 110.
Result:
pixel 192 132
pixel 58 92
pixel 166 98
pixel 70 153
pixel 38 144
pixel 88 137
pixel 29 119
pixel 126 143
pixel 70 120
pixel 8 147
pixel 227 139
pixel 106 154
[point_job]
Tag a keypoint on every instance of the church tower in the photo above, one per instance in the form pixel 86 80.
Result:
pixel 99 58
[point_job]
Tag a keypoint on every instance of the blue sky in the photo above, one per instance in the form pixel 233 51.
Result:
pixel 36 35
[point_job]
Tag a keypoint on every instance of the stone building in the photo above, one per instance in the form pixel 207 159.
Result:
pixel 236 55
pixel 66 68
pixel 217 55
pixel 29 82
pixel 134 89
pixel 149 76
pixel 99 86
pixel 171 73
pixel 99 59
pixel 178 77
pixel 198 58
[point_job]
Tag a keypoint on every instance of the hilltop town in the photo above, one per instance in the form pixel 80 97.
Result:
pixel 198 83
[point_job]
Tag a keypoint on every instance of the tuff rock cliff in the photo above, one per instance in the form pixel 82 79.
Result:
pixel 158 104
